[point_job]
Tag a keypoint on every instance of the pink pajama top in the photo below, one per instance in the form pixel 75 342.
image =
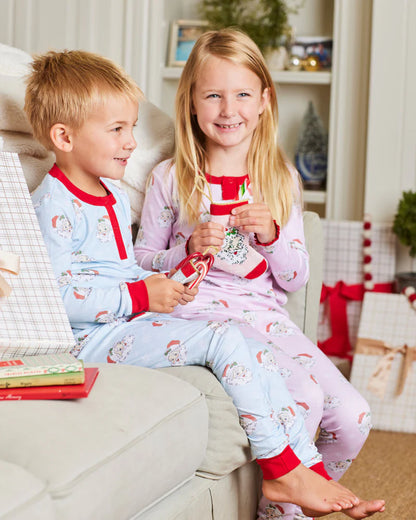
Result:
pixel 161 245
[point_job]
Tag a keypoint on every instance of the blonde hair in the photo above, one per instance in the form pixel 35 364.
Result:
pixel 64 87
pixel 269 174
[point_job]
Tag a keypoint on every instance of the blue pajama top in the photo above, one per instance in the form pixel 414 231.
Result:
pixel 89 242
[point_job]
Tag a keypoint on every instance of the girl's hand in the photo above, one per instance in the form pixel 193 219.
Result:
pixel 164 294
pixel 254 218
pixel 205 235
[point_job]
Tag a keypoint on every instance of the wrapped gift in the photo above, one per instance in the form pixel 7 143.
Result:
pixel 384 366
pixel 359 256
pixel 32 315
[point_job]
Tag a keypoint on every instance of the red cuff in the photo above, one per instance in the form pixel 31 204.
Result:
pixel 139 296
pixel 277 466
pixel 277 228
pixel 320 469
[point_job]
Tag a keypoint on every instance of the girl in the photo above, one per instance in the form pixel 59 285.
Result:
pixel 229 189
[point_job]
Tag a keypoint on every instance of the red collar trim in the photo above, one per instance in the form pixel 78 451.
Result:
pixel 107 200
pixel 227 178
pixel 229 185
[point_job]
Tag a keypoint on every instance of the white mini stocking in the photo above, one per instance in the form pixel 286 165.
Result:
pixel 236 255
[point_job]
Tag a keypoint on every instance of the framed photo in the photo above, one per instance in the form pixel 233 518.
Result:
pixel 318 46
pixel 183 35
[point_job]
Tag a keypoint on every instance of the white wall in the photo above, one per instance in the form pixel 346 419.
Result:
pixel 117 29
pixel 391 144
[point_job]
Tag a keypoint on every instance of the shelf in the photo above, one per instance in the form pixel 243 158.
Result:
pixel 301 76
pixel 314 196
pixel 279 76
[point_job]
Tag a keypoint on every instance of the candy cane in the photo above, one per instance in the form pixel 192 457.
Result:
pixel 202 266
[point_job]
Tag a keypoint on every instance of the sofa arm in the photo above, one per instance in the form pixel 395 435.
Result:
pixel 303 305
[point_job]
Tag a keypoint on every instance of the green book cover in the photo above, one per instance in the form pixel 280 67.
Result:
pixel 62 378
pixel 42 365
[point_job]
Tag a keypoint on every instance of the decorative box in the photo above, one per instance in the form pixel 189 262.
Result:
pixel 344 278
pixel 32 315
pixel 384 366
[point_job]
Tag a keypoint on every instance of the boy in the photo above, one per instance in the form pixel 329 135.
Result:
pixel 84 108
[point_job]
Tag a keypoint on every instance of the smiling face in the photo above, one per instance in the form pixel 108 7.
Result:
pixel 102 145
pixel 227 101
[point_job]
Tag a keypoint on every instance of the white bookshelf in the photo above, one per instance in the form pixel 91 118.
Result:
pixel 279 76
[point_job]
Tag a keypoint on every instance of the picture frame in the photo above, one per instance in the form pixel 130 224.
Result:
pixel 183 35
pixel 317 46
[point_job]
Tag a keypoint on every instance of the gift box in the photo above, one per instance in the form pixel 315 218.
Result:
pixel 32 315
pixel 358 256
pixel 384 366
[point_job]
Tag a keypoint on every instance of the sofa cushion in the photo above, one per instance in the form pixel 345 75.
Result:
pixel 228 446
pixel 140 434
pixel 22 495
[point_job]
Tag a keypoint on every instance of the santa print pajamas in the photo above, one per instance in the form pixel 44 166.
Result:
pixel 322 394
pixel 89 242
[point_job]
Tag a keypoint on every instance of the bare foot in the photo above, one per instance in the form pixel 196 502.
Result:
pixel 363 510
pixel 310 491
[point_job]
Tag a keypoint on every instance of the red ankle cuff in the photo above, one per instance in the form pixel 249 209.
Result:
pixel 279 465
pixel 320 469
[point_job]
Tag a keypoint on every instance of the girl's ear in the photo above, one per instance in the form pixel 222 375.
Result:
pixel 265 100
pixel 61 137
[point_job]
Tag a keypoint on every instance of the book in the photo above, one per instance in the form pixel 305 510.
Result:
pixel 52 392
pixel 41 365
pixel 60 378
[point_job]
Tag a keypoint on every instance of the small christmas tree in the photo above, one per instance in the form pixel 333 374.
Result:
pixel 311 155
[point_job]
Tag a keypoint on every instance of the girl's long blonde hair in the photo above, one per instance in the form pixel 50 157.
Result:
pixel 270 178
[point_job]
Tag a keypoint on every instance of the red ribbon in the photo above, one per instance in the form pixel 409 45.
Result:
pixel 339 343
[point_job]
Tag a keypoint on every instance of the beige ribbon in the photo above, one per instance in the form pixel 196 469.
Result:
pixel 11 263
pixel 377 383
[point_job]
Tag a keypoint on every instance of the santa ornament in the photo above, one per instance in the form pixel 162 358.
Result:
pixel 236 255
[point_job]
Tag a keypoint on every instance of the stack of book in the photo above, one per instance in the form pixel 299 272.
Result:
pixel 49 376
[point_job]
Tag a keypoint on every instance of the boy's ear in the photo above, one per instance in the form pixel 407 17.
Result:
pixel 61 137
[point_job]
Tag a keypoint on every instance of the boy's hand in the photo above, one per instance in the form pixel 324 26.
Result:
pixel 188 295
pixel 254 218
pixel 164 294
pixel 205 235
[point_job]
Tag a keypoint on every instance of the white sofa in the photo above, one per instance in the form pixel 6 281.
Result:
pixel 146 444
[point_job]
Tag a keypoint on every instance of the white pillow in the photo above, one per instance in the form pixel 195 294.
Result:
pixel 154 132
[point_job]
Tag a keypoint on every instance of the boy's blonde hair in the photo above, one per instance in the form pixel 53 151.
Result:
pixel 64 87
pixel 270 177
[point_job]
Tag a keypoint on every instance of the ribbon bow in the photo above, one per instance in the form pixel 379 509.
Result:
pixel 11 263
pixel 377 383
pixel 338 296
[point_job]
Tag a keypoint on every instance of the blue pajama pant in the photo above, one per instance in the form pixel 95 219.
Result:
pixel 270 417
